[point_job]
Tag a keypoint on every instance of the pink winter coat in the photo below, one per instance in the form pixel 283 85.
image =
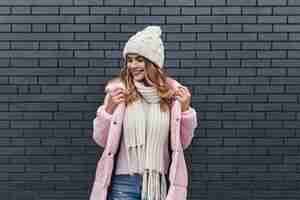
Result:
pixel 107 131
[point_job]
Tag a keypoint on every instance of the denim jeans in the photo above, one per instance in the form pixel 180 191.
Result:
pixel 125 187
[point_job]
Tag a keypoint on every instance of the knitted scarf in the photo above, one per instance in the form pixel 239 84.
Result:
pixel 146 130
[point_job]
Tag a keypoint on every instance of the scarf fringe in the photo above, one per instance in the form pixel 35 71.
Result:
pixel 146 130
pixel 154 186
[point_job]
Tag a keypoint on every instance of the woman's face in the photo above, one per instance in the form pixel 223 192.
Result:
pixel 136 66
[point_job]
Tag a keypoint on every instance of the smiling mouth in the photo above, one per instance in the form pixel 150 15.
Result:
pixel 137 72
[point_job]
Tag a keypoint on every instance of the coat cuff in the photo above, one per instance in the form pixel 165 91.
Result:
pixel 101 112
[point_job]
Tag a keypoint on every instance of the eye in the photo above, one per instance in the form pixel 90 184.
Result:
pixel 140 59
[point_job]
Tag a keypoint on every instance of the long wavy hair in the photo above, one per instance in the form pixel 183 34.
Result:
pixel 155 75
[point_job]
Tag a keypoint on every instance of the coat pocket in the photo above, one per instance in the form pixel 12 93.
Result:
pixel 178 171
pixel 104 170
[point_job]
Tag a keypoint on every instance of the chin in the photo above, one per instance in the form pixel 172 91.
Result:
pixel 139 79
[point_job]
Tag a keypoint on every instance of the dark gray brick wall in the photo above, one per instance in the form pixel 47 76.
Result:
pixel 240 59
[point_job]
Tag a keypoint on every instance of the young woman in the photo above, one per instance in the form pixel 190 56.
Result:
pixel 144 125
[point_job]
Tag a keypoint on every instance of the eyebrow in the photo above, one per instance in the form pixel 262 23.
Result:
pixel 134 57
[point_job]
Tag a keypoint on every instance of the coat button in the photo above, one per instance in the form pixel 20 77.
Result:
pixel 177 119
pixel 114 122
pixel 109 153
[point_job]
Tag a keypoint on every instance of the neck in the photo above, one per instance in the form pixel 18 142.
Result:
pixel 145 82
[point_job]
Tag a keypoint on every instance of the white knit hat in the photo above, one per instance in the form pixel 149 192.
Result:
pixel 147 43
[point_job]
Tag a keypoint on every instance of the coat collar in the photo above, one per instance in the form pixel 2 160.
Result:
pixel 117 83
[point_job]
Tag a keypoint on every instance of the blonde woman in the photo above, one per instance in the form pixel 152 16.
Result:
pixel 144 125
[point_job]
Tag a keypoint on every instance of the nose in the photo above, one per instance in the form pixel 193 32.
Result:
pixel 133 64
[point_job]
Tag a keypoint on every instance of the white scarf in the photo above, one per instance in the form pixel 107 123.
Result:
pixel 146 129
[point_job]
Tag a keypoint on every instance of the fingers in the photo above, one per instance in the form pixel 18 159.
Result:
pixel 117 96
pixel 182 91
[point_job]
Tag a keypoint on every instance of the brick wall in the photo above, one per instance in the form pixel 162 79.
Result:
pixel 240 58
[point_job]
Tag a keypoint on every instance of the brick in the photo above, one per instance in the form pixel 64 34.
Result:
pixel 118 3
pixel 286 28
pixel 74 10
pixel 119 19
pixel 211 36
pixel 271 2
pixel 23 80
pixel 56 90
pixel 89 36
pixel 118 37
pixel 227 28
pixel 88 2
pixel 210 72
pixel 150 19
pixel 36 36
pixel 180 19
pixel 195 45
pixel 104 10
pixel 189 11
pixel 19 28
pixel 293 2
pixel 38 28
pixel 271 19
pixel 256 11
pixel 20 10
pixel 257 28
pixel 74 45
pixel 225 45
pixel 148 3
pixel 254 81
pixel 226 11
pixel 24 45
pixel 89 54
pixel 271 54
pixel 273 36
pixel 74 63
pixel 136 11
pixel 225 63
pixel 35 115
pixel 240 72
pixel 33 54
pixel 211 19
pixel 287 10
pixel 242 36
pixel 179 3
pixel 49 45
pixel 211 54
pixel 241 19
pixel 165 11
pixel 4 10
pixel 36 20
pixel 104 45
pixel 196 28
pixel 74 28
pixel 269 89
pixel 89 19
pixel 92 71
pixel 45 10
pixel 210 2
pixel 293 54
pixel 241 2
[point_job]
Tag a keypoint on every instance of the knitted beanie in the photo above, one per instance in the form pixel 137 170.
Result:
pixel 147 43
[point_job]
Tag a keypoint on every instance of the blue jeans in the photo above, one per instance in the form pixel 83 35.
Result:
pixel 125 187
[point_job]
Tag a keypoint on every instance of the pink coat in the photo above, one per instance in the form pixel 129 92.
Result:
pixel 107 132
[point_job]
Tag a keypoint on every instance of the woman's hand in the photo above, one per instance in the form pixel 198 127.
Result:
pixel 184 96
pixel 115 97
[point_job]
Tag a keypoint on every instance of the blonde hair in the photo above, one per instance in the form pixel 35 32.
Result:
pixel 153 73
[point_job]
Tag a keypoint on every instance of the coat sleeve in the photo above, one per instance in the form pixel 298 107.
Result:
pixel 187 126
pixel 101 124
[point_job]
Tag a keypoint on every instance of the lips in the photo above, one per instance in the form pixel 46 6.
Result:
pixel 136 72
